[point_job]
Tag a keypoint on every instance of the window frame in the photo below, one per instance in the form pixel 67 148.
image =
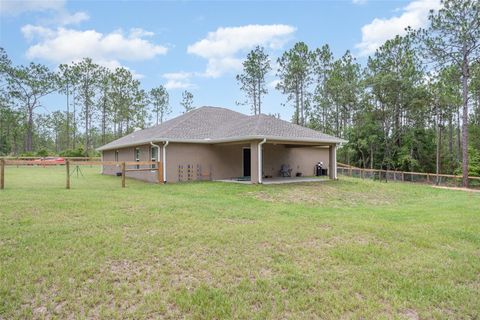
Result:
pixel 154 156
pixel 137 156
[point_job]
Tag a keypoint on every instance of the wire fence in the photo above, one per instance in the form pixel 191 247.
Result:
pixel 446 180
pixel 148 170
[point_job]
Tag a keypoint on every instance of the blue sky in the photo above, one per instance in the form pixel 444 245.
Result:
pixel 196 45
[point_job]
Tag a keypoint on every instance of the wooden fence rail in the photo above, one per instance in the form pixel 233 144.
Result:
pixel 77 163
pixel 122 165
pixel 40 158
pixel 406 176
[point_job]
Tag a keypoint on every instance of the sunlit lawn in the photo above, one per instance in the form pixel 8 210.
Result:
pixel 332 250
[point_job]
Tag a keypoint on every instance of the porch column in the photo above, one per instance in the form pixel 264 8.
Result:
pixel 332 162
pixel 254 162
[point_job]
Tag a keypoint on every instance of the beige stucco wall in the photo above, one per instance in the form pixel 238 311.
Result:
pixel 206 162
pixel 128 155
pixel 190 162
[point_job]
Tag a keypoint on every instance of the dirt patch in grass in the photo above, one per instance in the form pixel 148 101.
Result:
pixel 131 283
pixel 238 221
pixel 410 314
pixel 457 188
pixel 127 270
pixel 328 242
pixel 326 194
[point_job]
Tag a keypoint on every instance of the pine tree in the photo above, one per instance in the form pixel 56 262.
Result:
pixel 252 80
pixel 187 101
pixel 160 100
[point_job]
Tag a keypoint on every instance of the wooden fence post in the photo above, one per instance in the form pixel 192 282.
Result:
pixel 403 176
pixel 67 165
pixel 123 174
pixel 160 172
pixel 2 174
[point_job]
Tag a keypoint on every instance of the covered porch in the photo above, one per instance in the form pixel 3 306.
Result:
pixel 273 162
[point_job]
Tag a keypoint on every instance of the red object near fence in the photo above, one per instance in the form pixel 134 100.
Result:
pixel 50 161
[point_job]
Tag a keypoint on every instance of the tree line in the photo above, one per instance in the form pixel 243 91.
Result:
pixel 415 106
pixel 101 105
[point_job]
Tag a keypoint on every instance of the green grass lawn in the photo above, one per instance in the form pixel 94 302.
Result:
pixel 332 250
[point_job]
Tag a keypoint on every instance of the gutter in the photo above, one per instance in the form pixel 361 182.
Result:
pixel 260 160
pixel 222 140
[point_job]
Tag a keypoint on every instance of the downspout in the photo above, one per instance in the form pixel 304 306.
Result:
pixel 165 161
pixel 260 159
pixel 335 162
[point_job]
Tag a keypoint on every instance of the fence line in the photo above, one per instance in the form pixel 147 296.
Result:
pixel 406 176
pixel 40 158
pixel 76 162
pixel 153 166
pixel 343 169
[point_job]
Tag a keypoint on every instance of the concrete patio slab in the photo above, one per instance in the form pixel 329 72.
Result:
pixel 280 180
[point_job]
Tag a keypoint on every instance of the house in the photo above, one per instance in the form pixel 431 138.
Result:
pixel 211 143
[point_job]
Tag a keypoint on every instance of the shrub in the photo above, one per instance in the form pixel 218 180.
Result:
pixel 42 153
pixel 79 152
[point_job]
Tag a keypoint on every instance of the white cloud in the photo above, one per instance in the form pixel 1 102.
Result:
pixel 139 32
pixel 414 15
pixel 217 66
pixel 178 80
pixel 64 18
pixel 64 45
pixel 30 31
pixel 59 16
pixel 221 46
pixel 16 7
pixel 174 84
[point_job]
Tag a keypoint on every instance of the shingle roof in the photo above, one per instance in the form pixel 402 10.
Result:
pixel 215 125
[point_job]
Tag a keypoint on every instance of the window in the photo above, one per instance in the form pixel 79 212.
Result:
pixel 154 156
pixel 116 155
pixel 137 156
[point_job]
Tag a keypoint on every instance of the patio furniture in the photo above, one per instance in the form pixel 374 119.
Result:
pixel 285 171
pixel 320 170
